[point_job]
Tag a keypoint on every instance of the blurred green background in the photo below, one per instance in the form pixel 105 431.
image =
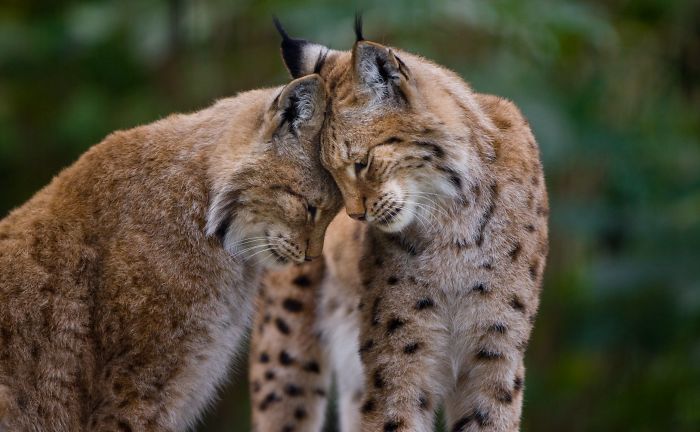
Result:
pixel 611 88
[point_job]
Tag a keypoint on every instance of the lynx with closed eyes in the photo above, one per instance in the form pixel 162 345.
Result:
pixel 429 295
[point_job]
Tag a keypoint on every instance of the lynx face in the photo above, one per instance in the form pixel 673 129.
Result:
pixel 388 132
pixel 277 209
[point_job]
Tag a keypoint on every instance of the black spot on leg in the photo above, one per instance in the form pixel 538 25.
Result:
pixel 269 399
pixel 288 428
pixel 368 406
pixel 424 303
pixel 256 386
pixel 366 346
pixel 393 280
pixel 282 326
pixel 312 367
pixel 124 426
pixel 377 379
pixel 394 324
pixel 269 375
pixel 411 348
pixel 292 305
pixel 293 390
pixel 530 228
pixel 264 357
pixel 285 359
pixel 375 311
pixel 302 281
pixel 392 425
pixel 300 413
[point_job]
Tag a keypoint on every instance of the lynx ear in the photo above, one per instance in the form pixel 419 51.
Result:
pixel 379 71
pixel 301 57
pixel 301 106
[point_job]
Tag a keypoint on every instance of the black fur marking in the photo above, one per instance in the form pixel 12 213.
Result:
pixel 358 27
pixel 424 303
pixel 302 281
pixel 269 375
pixel 518 384
pixel 292 51
pixel 288 428
pixel 392 140
pixel 320 392
pixel 269 399
pixel 480 288
pixel 312 367
pixel 487 215
pixel 437 151
pixel 124 426
pixel 485 354
pixel 504 396
pixel 368 406
pixel 285 359
pixel 377 379
pixel 393 280
pixel 320 61
pixel 282 326
pixel 411 348
pixel 392 426
pixel 394 324
pixel 515 252
pixel 517 304
pixel 300 413
pixel 366 346
pixel 533 271
pixel 498 328
pixel 423 402
pixel 292 305
pixel 293 390
pixel 482 418
pixel 530 228
pixel 264 357
pixel 375 311
pixel 461 424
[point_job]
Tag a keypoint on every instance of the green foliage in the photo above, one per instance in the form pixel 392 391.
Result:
pixel 612 91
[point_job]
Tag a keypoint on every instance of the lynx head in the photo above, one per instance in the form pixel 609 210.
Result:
pixel 277 200
pixel 394 137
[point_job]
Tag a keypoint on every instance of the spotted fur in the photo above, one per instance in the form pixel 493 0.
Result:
pixel 447 270
pixel 127 282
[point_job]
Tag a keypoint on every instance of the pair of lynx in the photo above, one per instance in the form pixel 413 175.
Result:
pixel 127 282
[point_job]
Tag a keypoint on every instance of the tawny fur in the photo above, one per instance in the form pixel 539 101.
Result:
pixel 452 259
pixel 126 284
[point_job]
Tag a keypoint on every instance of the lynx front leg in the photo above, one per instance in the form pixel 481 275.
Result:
pixel 289 375
pixel 488 354
pixel 400 345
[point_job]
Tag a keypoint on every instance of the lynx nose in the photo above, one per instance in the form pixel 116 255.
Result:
pixel 358 216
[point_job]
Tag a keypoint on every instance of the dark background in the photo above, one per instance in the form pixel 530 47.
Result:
pixel 611 89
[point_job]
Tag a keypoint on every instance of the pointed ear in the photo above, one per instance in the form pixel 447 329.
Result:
pixel 301 57
pixel 301 107
pixel 380 72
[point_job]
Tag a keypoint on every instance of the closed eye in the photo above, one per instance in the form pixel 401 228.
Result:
pixel 359 166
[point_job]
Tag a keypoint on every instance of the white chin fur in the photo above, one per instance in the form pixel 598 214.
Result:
pixel 405 217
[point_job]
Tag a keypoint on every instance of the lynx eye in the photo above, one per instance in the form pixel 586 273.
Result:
pixel 359 166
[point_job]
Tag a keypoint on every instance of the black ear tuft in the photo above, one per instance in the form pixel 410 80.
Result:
pixel 358 27
pixel 292 51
